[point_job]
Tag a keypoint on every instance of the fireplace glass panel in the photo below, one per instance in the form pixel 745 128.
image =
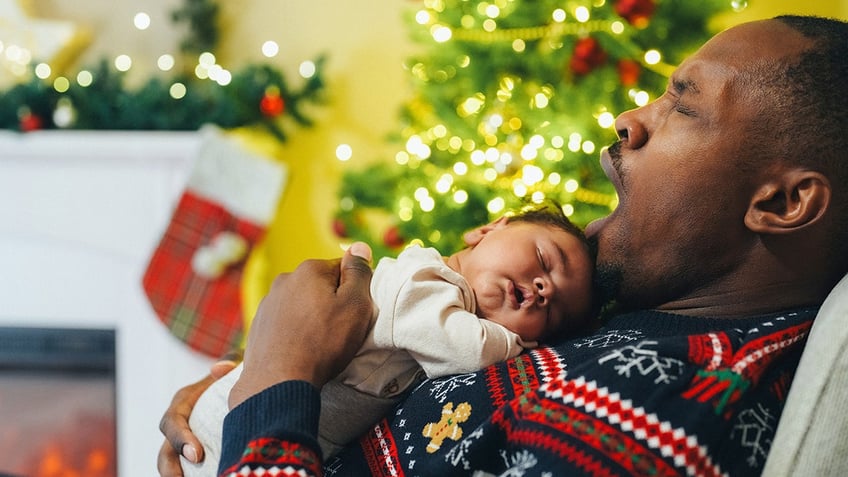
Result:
pixel 57 402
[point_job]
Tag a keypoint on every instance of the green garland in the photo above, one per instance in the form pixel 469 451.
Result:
pixel 258 94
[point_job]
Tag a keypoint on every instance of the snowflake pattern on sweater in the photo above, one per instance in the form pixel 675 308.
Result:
pixel 650 394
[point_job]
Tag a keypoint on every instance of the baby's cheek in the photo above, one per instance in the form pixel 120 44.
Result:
pixel 488 309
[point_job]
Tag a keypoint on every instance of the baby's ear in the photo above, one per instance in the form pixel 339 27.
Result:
pixel 473 237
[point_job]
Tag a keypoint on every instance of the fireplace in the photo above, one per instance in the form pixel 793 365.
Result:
pixel 91 207
pixel 57 402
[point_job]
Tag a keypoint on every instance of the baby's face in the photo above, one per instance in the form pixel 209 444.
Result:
pixel 533 279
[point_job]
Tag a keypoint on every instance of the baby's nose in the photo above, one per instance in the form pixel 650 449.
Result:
pixel 543 291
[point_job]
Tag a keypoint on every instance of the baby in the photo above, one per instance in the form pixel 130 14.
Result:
pixel 523 279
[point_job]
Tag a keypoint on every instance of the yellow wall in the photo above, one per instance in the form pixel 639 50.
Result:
pixel 760 9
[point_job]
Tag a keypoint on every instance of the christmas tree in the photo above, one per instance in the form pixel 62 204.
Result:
pixel 513 101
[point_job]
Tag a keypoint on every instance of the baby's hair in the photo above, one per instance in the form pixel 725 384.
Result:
pixel 550 213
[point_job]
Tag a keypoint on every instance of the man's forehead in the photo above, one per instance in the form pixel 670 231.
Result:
pixel 718 63
pixel 754 42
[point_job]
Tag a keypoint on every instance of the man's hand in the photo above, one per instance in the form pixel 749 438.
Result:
pixel 310 324
pixel 179 440
pixel 335 299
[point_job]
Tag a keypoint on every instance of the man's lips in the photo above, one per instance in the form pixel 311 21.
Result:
pixel 595 226
pixel 610 170
pixel 606 164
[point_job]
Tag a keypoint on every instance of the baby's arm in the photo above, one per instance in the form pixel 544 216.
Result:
pixel 424 309
pixel 430 320
pixel 458 342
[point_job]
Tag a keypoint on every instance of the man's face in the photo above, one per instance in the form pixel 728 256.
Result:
pixel 679 228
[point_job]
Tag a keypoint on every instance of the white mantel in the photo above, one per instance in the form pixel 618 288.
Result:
pixel 80 214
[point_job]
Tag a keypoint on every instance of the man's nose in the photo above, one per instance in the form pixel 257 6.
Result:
pixel 630 129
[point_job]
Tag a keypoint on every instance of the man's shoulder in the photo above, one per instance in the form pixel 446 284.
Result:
pixel 661 323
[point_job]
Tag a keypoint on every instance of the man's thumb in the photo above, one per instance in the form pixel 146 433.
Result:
pixel 355 280
pixel 360 249
pixel 355 267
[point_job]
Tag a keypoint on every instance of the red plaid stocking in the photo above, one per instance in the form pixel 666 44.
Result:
pixel 193 280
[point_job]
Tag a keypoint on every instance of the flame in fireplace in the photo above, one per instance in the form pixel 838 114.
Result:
pixel 88 450
pixel 56 462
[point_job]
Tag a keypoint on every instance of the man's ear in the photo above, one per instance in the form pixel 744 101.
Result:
pixel 795 199
pixel 474 236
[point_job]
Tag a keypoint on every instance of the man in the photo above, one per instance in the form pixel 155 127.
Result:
pixel 731 229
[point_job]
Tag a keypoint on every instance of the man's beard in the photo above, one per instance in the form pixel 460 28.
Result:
pixel 606 281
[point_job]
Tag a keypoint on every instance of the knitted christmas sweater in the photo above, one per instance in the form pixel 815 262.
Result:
pixel 650 393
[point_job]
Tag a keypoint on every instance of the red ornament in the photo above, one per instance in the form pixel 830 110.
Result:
pixel 636 12
pixel 339 228
pixel 272 104
pixel 629 71
pixel 392 237
pixel 587 56
pixel 31 122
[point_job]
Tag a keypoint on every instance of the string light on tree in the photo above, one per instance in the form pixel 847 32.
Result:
pixel 739 5
pixel 344 152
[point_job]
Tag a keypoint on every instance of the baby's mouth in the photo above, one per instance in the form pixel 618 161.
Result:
pixel 521 295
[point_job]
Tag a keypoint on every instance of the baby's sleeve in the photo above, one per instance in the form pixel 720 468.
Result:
pixel 432 323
